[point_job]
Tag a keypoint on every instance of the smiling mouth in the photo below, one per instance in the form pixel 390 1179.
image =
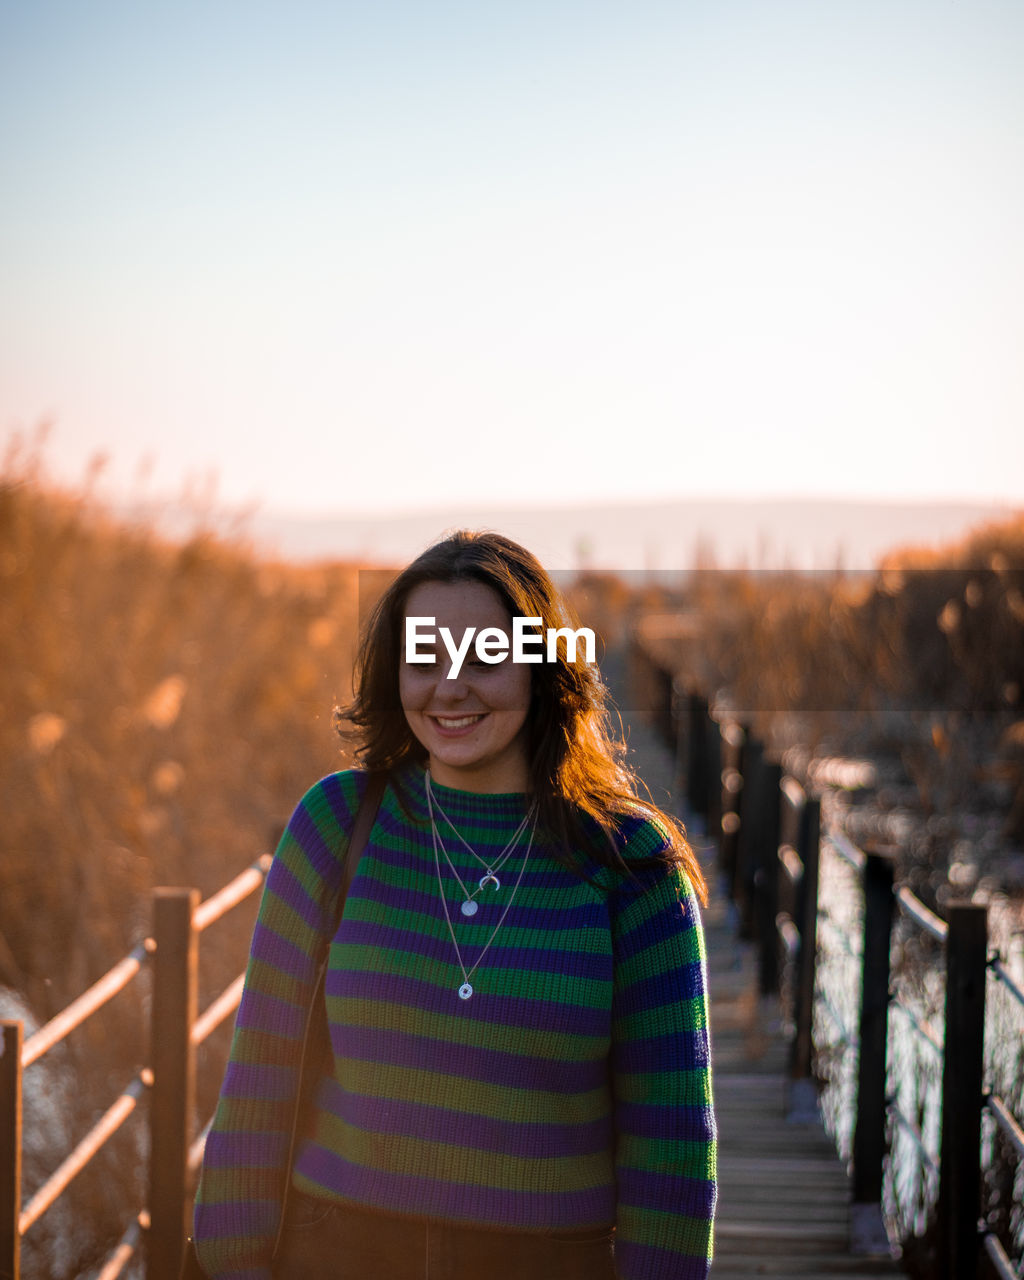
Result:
pixel 457 722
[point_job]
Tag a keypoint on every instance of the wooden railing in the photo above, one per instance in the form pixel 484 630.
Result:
pixel 168 1081
pixel 769 836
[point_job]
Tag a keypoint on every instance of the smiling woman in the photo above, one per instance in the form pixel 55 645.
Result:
pixel 471 724
pixel 519 1077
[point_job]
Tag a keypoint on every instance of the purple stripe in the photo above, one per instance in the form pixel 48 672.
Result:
pixel 270 1016
pixel 455 1201
pixel 303 829
pixel 635 941
pixel 281 954
pixel 215 1221
pixel 468 1062
pixel 337 797
pixel 557 916
pixel 666 1193
pixel 684 1050
pixel 570 959
pixel 480 1133
pixel 253 1080
pixel 542 873
pixel 667 988
pixel 509 1012
pixel 648 1261
pixel 232 1150
pixel 284 886
pixel 654 1120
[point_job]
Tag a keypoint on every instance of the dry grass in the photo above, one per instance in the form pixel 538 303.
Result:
pixel 922 659
pixel 162 708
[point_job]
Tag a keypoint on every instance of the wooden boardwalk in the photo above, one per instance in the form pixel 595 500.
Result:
pixel 784 1194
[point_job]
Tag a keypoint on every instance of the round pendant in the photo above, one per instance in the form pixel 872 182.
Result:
pixel 469 907
pixel 490 878
pixel 465 991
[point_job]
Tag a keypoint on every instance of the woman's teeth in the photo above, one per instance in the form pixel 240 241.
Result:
pixel 456 722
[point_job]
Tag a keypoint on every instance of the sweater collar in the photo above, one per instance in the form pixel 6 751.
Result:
pixel 463 807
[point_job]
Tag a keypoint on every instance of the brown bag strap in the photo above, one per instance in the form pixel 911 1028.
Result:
pixel 316 1026
pixel 366 816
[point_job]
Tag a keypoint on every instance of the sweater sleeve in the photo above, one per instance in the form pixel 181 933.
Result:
pixel 661 1071
pixel 240 1192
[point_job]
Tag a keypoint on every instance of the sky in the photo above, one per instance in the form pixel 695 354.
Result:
pixel 391 256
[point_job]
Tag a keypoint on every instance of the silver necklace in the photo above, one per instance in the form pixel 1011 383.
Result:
pixel 469 905
pixel 466 990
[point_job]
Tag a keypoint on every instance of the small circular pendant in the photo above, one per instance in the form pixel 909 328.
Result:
pixel 490 878
pixel 465 991
pixel 469 907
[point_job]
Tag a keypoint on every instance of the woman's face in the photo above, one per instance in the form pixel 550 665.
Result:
pixel 472 726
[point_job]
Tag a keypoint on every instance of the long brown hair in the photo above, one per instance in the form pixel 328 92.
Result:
pixel 575 759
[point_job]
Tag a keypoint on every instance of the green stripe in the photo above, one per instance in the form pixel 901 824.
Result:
pixel 568 1046
pixel 690 1087
pixel 576 991
pixel 476 1097
pixel 664 1019
pixel 450 1162
pixel 676 1156
pixel 665 1230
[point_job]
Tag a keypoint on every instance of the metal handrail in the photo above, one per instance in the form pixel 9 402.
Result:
pixel 915 1133
pixel 999 1258
pixel 921 1025
pixel 101 1133
pixel 791 863
pixel 912 906
pixel 1006 1121
pixel 225 1004
pixel 101 991
pixel 232 894
pixel 1002 975
pixel 846 849
pixel 82 1008
pixel 125 1248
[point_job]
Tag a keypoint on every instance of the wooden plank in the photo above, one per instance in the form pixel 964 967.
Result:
pixel 784 1193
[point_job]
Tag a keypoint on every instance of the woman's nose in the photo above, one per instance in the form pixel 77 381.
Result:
pixel 450 688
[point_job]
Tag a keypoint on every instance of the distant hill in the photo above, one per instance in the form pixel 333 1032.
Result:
pixel 665 536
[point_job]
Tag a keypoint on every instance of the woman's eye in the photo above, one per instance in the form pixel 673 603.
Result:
pixel 422 663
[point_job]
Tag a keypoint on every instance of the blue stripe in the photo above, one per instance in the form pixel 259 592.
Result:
pixel 454 1201
pixel 584 965
pixel 269 1015
pixel 475 1132
pixel 681 1051
pixel 468 1062
pixel 666 1193
pixel 510 1012
pixel 649 1120
pixel 251 1080
pixel 281 954
pixel 263 1150
pixel 634 1259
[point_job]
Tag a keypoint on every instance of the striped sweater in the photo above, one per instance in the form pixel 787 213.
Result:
pixel 572 1090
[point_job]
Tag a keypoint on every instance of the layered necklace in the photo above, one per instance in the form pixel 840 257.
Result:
pixel 469 904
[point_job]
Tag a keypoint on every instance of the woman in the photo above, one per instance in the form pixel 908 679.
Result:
pixel 516 993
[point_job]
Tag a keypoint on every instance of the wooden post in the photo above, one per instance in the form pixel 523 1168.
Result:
pixel 173 1063
pixel 867 1229
pixel 766 875
pixel 10 1148
pixel 808 846
pixel 712 738
pixel 734 750
pixel 697 762
pixel 959 1205
pixel 744 865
